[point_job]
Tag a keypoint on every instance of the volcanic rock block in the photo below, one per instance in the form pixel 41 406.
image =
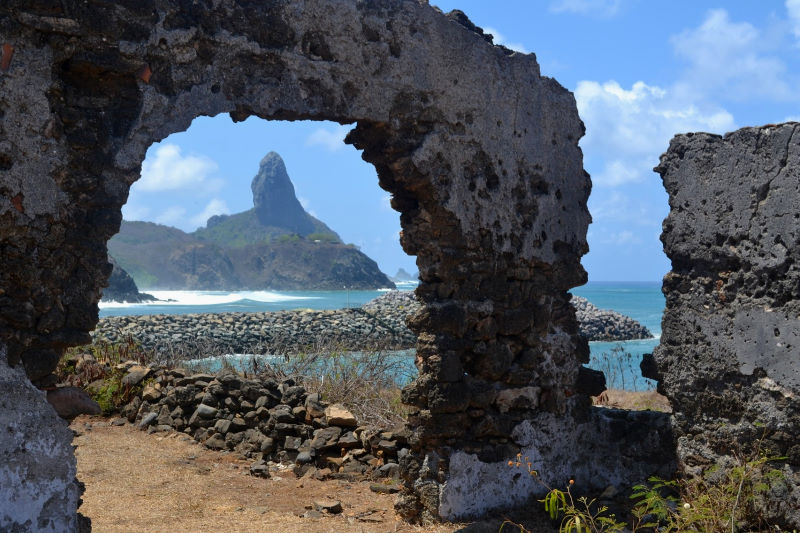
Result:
pixel 730 347
pixel 37 465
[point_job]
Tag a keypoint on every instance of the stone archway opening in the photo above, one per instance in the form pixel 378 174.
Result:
pixel 479 151
pixel 314 189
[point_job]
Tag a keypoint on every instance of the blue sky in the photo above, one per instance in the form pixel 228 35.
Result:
pixel 641 71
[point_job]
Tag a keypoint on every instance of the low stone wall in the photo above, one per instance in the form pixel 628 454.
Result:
pixel 263 420
pixel 43 492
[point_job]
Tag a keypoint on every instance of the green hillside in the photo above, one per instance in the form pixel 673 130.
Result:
pixel 245 228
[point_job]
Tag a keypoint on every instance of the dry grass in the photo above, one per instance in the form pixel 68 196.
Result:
pixel 633 400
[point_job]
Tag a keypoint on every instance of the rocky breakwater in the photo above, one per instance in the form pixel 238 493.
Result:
pixel 376 326
pixel 262 419
pixel 605 325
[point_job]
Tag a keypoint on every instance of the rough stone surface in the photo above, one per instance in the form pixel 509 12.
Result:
pixel 122 288
pixel 38 491
pixel 479 152
pixel 605 325
pixel 729 355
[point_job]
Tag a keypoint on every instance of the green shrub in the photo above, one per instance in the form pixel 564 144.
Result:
pixel 732 503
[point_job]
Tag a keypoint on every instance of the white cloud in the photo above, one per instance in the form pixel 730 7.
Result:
pixel 731 59
pixel 134 212
pixel 616 207
pixel 386 202
pixel 214 207
pixel 172 216
pixel 307 206
pixel 499 38
pixel 792 118
pixel 332 140
pixel 169 170
pixel 629 128
pixel 603 8
pixel 620 238
pixel 793 9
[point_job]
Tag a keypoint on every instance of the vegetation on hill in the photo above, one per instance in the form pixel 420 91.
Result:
pixel 160 257
pixel 244 228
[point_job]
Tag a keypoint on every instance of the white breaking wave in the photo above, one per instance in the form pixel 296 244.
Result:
pixel 205 298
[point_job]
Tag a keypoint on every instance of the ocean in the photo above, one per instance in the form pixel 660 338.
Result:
pixel 642 301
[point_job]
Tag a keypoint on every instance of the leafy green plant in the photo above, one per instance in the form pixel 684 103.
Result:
pixel 729 504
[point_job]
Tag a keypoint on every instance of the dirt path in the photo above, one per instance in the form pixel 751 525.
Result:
pixel 168 483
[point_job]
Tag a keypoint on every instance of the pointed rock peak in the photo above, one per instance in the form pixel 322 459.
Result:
pixel 274 161
pixel 274 198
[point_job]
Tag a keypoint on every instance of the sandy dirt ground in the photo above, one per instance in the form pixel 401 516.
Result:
pixel 166 482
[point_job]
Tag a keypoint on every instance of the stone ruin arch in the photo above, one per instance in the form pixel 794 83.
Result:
pixel 480 154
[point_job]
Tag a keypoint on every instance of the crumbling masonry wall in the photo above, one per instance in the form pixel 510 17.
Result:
pixel 479 152
pixel 729 356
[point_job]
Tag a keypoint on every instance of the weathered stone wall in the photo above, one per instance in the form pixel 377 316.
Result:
pixel 479 152
pixel 730 344
pixel 38 490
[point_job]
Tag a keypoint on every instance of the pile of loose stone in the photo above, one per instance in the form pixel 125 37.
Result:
pixel 379 324
pixel 273 423
pixel 606 325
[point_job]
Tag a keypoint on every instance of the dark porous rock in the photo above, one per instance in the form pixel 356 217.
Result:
pixel 606 325
pixel 122 288
pixel 329 506
pixel 215 442
pixel 39 363
pixel 590 382
pixel 729 357
pixel 135 375
pixel 259 469
pixel 348 440
pixel 304 458
pixel 381 488
pixel 293 396
pixel 70 402
pixel 148 420
pixel 282 413
pixel 326 438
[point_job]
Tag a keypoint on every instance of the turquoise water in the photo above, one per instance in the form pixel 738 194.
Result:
pixel 184 302
pixel 642 301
